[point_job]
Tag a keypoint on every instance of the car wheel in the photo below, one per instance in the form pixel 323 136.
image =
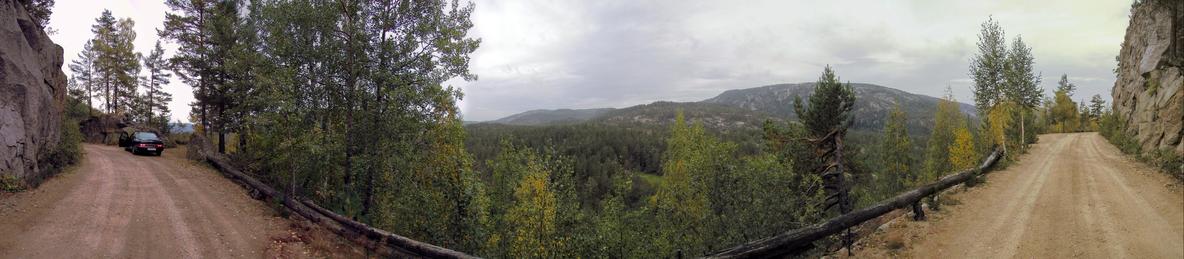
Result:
pixel 158 153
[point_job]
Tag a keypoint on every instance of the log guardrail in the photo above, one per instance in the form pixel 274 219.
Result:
pixel 797 240
pixel 400 246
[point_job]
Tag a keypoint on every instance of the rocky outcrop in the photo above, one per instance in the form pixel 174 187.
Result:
pixel 32 92
pixel 102 129
pixel 1149 91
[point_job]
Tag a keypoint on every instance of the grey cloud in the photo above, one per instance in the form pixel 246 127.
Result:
pixel 633 52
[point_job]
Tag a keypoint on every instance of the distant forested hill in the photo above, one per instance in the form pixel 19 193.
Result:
pixel 541 117
pixel 872 104
pixel 749 108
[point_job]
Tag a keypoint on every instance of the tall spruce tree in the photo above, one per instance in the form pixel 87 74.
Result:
pixel 1065 86
pixel 1096 106
pixel 937 157
pixel 895 153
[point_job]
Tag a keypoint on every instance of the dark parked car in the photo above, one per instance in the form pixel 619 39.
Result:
pixel 142 142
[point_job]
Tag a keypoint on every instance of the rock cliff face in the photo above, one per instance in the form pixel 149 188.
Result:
pixel 1149 91
pixel 32 92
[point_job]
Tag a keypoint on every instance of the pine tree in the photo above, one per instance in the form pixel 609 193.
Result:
pixel 83 69
pixel 156 99
pixel 988 67
pixel 104 30
pixel 1065 86
pixel 1096 106
pixel 75 89
pixel 126 64
pixel 829 107
pixel 895 151
pixel 946 120
pixel 116 62
pixel 187 25
pixel 825 122
pixel 39 10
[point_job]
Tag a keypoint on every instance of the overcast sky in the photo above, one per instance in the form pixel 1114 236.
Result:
pixel 547 54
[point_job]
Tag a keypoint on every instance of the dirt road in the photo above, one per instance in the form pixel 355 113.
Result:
pixel 1072 195
pixel 117 205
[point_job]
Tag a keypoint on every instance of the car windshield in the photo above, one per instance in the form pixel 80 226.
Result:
pixel 146 136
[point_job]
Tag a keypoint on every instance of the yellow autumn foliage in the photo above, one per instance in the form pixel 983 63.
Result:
pixel 999 119
pixel 533 216
pixel 962 154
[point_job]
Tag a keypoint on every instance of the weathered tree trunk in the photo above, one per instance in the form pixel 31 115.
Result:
pixel 918 213
pixel 1023 135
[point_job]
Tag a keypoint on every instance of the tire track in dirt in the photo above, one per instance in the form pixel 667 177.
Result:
pixel 214 217
pixel 181 231
pixel 1021 208
pixel 1098 206
pixel 1149 238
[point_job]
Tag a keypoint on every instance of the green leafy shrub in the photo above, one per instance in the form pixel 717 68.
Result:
pixel 1110 126
pixel 67 152
pixel 11 183
pixel 1167 161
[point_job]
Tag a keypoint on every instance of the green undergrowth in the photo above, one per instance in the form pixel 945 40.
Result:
pixel 1165 160
pixel 11 183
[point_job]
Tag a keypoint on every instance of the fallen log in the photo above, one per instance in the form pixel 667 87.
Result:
pixel 405 247
pixel 799 239
pixel 266 193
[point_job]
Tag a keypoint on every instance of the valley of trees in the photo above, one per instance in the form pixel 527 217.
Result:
pixel 344 103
